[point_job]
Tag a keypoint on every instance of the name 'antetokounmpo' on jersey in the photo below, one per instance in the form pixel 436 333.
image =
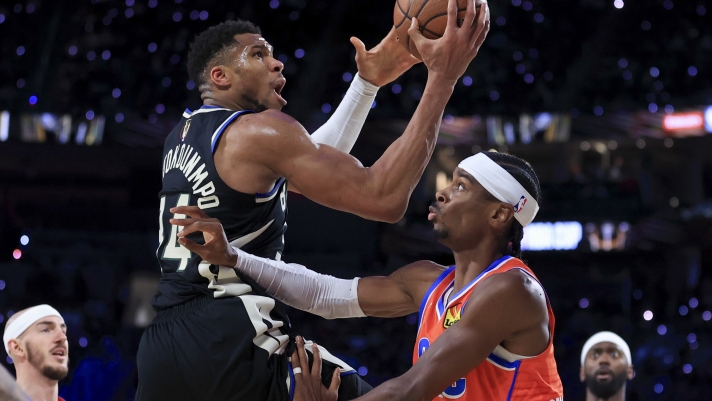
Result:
pixel 185 158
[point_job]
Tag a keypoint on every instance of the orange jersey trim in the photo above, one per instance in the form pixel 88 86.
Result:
pixel 531 379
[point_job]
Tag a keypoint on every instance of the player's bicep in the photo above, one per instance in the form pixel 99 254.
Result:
pixel 398 294
pixel 384 297
pixel 329 177
pixel 320 172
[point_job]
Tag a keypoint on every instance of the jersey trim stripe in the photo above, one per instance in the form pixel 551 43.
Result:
pixel 292 382
pixel 204 109
pixel 439 306
pixel 494 266
pixel 502 363
pixel 271 194
pixel 208 109
pixel 245 239
pixel 347 373
pixel 514 381
pixel 218 132
pixel 430 292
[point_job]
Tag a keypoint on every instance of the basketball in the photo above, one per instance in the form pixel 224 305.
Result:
pixel 432 16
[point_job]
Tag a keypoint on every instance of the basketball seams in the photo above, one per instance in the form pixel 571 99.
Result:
pixel 405 13
pixel 438 16
pixel 425 3
pixel 431 26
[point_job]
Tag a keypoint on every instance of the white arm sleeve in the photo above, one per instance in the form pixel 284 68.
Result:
pixel 344 126
pixel 301 288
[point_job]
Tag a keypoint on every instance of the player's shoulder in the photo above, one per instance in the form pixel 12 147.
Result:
pixel 267 134
pixel 269 123
pixel 514 287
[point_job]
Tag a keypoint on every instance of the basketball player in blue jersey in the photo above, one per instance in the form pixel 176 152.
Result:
pixel 218 336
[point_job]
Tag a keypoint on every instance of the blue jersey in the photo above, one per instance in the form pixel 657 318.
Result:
pixel 253 222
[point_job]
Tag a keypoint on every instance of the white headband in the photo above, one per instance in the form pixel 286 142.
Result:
pixel 497 181
pixel 24 321
pixel 606 336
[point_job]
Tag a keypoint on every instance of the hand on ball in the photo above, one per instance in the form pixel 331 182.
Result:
pixel 385 62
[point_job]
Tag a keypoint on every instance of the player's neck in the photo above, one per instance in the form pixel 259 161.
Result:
pixel 211 98
pixel 619 396
pixel 36 385
pixel 471 262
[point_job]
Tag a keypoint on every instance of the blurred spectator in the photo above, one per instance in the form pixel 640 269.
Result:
pixel 36 340
pixel 605 367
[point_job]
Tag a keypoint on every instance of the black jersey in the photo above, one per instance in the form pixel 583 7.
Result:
pixel 252 222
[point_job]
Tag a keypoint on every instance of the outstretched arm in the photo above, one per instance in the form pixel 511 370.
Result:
pixel 389 296
pixel 505 307
pixel 376 67
pixel 339 181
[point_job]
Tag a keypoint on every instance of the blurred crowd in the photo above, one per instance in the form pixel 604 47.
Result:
pixel 126 58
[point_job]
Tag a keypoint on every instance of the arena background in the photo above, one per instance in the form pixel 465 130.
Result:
pixel 608 100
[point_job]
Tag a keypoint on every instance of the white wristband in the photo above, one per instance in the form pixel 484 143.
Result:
pixel 301 288
pixel 344 126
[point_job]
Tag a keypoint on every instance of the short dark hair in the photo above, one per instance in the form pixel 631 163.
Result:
pixel 209 47
pixel 525 175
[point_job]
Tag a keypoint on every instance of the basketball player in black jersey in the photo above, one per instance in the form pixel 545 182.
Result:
pixel 217 336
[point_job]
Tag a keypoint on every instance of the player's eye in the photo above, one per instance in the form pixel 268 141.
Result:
pixel 258 54
pixel 460 187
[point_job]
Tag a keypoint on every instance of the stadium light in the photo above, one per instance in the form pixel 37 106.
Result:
pixel 690 123
pixel 708 119
pixel 4 125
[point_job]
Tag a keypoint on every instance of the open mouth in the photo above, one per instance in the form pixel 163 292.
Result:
pixel 431 215
pixel 279 85
pixel 604 374
pixel 60 352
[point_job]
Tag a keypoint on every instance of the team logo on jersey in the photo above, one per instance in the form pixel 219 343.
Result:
pixel 186 127
pixel 452 315
pixel 520 205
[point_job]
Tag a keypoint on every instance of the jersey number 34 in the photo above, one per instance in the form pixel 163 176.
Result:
pixel 173 250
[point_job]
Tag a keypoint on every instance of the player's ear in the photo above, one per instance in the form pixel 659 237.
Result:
pixel 630 372
pixel 582 375
pixel 501 214
pixel 220 76
pixel 15 348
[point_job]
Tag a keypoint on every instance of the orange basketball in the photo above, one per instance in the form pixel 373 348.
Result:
pixel 432 16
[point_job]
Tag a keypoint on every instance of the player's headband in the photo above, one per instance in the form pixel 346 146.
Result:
pixel 24 321
pixel 497 181
pixel 606 336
